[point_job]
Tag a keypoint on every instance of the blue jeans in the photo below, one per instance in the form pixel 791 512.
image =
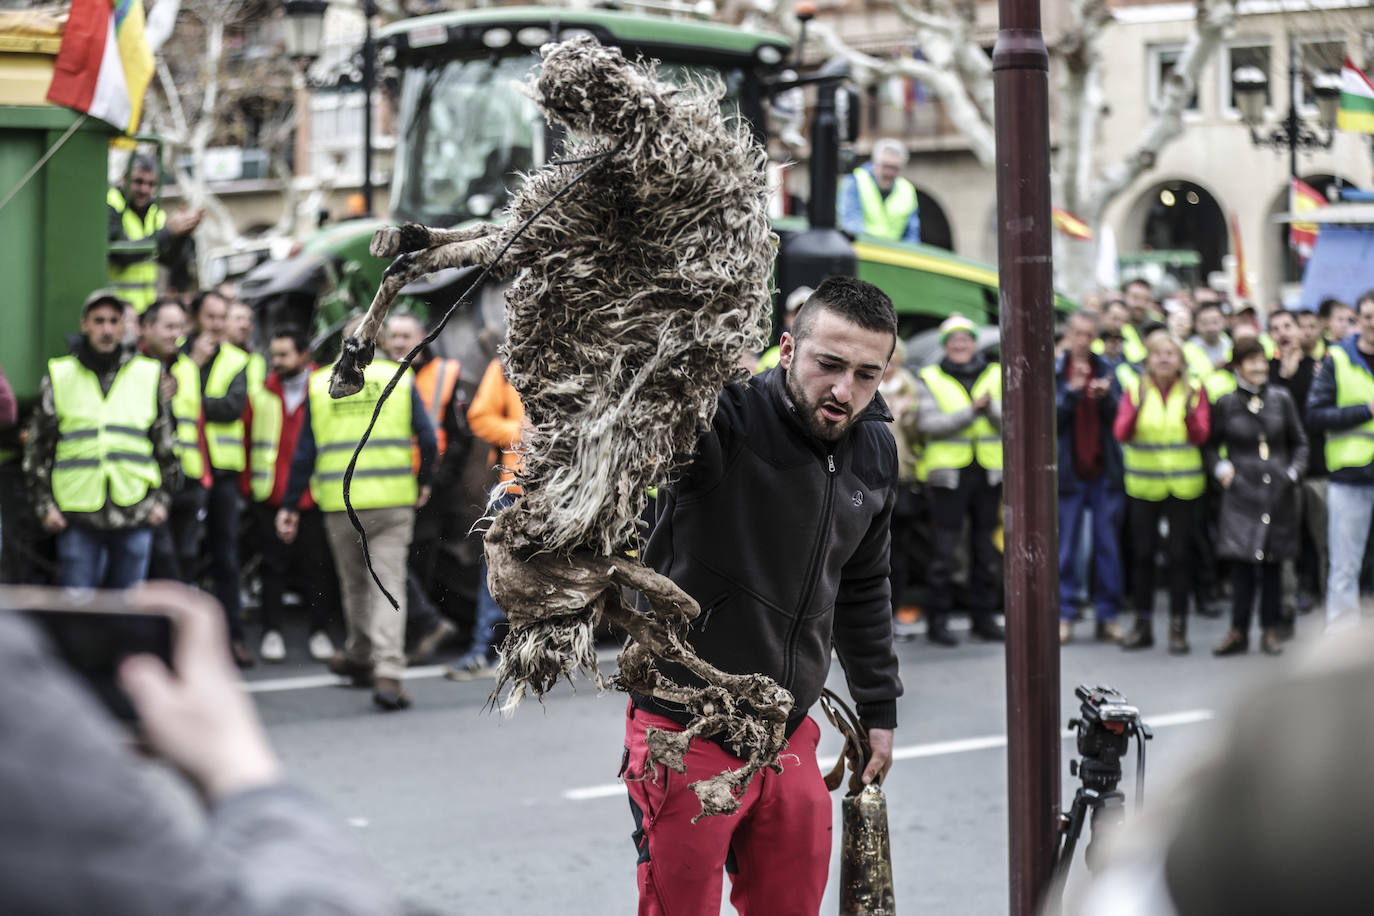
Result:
pixel 95 558
pixel 1349 507
pixel 1105 507
pixel 489 613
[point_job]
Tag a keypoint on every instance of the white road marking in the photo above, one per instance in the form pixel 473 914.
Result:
pixel 914 751
pixel 312 681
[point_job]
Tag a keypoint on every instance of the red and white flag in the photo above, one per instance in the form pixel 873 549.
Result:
pixel 104 65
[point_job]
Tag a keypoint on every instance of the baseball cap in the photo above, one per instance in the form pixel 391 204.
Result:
pixel 101 296
pixel 955 323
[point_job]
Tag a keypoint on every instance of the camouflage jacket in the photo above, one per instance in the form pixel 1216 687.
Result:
pixel 40 448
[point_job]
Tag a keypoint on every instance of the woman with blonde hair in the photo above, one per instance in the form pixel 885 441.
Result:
pixel 1161 423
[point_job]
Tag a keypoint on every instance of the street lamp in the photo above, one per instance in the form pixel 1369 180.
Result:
pixel 1251 85
pixel 304 41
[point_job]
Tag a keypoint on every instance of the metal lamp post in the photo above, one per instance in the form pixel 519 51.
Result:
pixel 1251 85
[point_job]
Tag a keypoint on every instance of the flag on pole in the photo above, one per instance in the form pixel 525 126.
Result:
pixel 1069 224
pixel 1303 199
pixel 104 65
pixel 1242 282
pixel 1357 101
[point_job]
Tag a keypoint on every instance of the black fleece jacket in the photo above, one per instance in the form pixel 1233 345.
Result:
pixel 783 540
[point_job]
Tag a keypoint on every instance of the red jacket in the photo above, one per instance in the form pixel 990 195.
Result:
pixel 291 423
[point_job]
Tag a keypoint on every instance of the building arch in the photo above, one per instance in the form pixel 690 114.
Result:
pixel 1176 214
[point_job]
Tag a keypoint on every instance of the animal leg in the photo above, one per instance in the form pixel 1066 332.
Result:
pixel 390 241
pixel 356 355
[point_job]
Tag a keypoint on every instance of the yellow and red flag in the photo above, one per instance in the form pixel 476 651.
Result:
pixel 104 64
pixel 1303 198
pixel 1070 225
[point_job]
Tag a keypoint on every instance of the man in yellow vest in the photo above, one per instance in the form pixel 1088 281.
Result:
pixel 177 543
pixel 436 380
pixel 142 235
pixel 223 370
pixel 239 332
pixel 1210 347
pixel 276 416
pixel 1341 402
pixel 876 200
pixel 959 413
pixel 100 453
pixel 385 491
pixel 1116 322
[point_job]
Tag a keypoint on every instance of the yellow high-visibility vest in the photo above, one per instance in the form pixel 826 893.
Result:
pixel 224 441
pixel 136 282
pixel 186 412
pixel 104 450
pixel 1354 447
pixel 979 440
pixel 382 477
pixel 1159 460
pixel 263 442
pixel 885 217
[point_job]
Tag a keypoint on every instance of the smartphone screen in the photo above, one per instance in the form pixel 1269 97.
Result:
pixel 95 643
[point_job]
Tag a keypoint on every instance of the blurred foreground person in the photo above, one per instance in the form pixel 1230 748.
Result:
pixel 1255 830
pixel 85 830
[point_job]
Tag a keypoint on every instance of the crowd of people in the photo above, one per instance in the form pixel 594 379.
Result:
pixel 1239 449
pixel 178 443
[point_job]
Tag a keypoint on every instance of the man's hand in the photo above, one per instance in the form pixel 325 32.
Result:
pixel 184 221
pixel 203 349
pixel 1099 387
pixel 157 515
pixel 1078 375
pixel 1289 360
pixel 53 521
pixel 197 717
pixel 287 523
pixel 167 387
pixel 981 402
pixel 423 497
pixel 880 743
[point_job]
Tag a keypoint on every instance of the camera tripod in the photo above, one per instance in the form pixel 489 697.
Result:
pixel 1104 733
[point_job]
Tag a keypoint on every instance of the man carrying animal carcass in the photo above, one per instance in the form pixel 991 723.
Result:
pixel 779 529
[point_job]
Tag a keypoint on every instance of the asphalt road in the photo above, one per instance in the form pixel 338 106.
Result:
pixel 472 813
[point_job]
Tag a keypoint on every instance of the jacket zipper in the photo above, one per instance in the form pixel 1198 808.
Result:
pixel 794 632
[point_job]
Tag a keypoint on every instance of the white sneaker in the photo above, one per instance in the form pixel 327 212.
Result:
pixel 273 648
pixel 321 647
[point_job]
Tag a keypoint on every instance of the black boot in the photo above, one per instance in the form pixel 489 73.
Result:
pixel 987 630
pixel 1142 635
pixel 937 632
pixel 1178 635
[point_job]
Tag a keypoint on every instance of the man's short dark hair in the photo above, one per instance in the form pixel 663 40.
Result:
pixel 294 333
pixel 1150 327
pixel 1328 307
pixel 1366 296
pixel 1084 315
pixel 144 163
pixel 198 302
pixel 1277 312
pixel 1137 281
pixel 1210 306
pixel 856 300
pixel 150 314
pixel 1114 301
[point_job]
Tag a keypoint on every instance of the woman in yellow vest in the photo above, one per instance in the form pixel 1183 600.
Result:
pixel 1161 423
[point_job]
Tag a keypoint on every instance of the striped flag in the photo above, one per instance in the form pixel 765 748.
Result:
pixel 1303 198
pixel 1069 224
pixel 104 65
pixel 1357 101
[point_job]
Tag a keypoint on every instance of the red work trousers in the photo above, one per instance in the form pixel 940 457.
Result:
pixel 779 840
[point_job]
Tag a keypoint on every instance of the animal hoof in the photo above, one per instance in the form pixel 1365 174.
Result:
pixel 347 376
pixel 386 242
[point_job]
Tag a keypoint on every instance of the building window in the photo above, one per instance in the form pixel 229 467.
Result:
pixel 1163 60
pixel 1318 55
pixel 1245 54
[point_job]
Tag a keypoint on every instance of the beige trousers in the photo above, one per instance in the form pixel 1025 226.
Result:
pixel 376 630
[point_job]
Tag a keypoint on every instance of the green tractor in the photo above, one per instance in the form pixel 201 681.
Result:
pixel 465 132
